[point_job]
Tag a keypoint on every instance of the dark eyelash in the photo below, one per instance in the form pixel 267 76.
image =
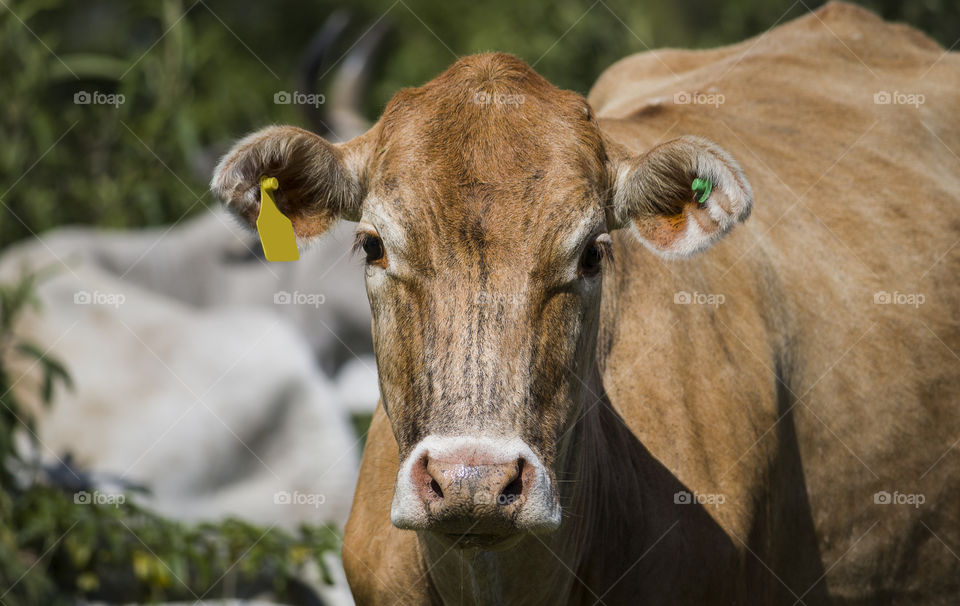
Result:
pixel 606 250
pixel 358 241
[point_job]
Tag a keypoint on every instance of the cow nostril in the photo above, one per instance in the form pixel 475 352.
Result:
pixel 435 487
pixel 514 489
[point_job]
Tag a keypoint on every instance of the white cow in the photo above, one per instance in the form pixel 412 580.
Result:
pixel 219 412
pixel 211 261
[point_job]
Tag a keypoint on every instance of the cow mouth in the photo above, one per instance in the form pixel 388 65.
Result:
pixel 484 541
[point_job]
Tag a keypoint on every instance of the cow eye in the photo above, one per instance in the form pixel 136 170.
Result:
pixel 592 258
pixel 371 245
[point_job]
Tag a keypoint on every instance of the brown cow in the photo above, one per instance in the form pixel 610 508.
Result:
pixel 576 407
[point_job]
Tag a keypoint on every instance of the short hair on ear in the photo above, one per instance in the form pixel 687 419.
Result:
pixel 654 196
pixel 318 183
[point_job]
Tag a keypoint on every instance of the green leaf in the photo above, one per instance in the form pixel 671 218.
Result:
pixel 52 370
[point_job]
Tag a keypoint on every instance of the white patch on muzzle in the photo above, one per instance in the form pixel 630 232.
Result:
pixel 540 511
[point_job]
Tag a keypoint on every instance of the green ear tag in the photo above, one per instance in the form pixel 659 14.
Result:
pixel 275 229
pixel 704 185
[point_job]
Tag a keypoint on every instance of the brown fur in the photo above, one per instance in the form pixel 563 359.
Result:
pixel 797 398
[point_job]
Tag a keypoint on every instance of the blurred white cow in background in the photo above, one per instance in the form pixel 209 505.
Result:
pixel 196 371
pixel 217 412
pixel 211 261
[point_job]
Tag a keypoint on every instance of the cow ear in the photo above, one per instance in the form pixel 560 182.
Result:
pixel 680 197
pixel 319 182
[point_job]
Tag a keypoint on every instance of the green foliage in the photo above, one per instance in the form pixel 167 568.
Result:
pixel 15 299
pixel 114 165
pixel 122 553
pixel 55 543
pixel 361 426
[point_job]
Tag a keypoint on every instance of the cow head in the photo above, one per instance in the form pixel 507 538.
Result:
pixel 484 201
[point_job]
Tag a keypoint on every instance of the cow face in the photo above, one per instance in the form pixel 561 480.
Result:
pixel 484 202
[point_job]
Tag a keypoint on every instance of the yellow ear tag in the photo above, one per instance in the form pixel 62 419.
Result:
pixel 275 229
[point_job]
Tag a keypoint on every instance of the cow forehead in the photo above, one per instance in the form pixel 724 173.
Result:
pixel 490 118
pixel 489 150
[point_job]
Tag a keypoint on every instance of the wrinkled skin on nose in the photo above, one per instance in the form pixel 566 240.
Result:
pixel 476 487
pixel 458 492
pixel 460 487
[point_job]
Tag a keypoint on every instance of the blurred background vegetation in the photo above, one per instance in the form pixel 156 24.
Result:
pixel 197 73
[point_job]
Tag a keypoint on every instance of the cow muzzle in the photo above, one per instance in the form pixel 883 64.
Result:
pixel 476 491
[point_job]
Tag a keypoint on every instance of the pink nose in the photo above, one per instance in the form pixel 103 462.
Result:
pixel 471 493
pixel 488 488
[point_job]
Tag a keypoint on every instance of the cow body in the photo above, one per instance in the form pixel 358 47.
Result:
pixel 720 427
pixel 797 399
